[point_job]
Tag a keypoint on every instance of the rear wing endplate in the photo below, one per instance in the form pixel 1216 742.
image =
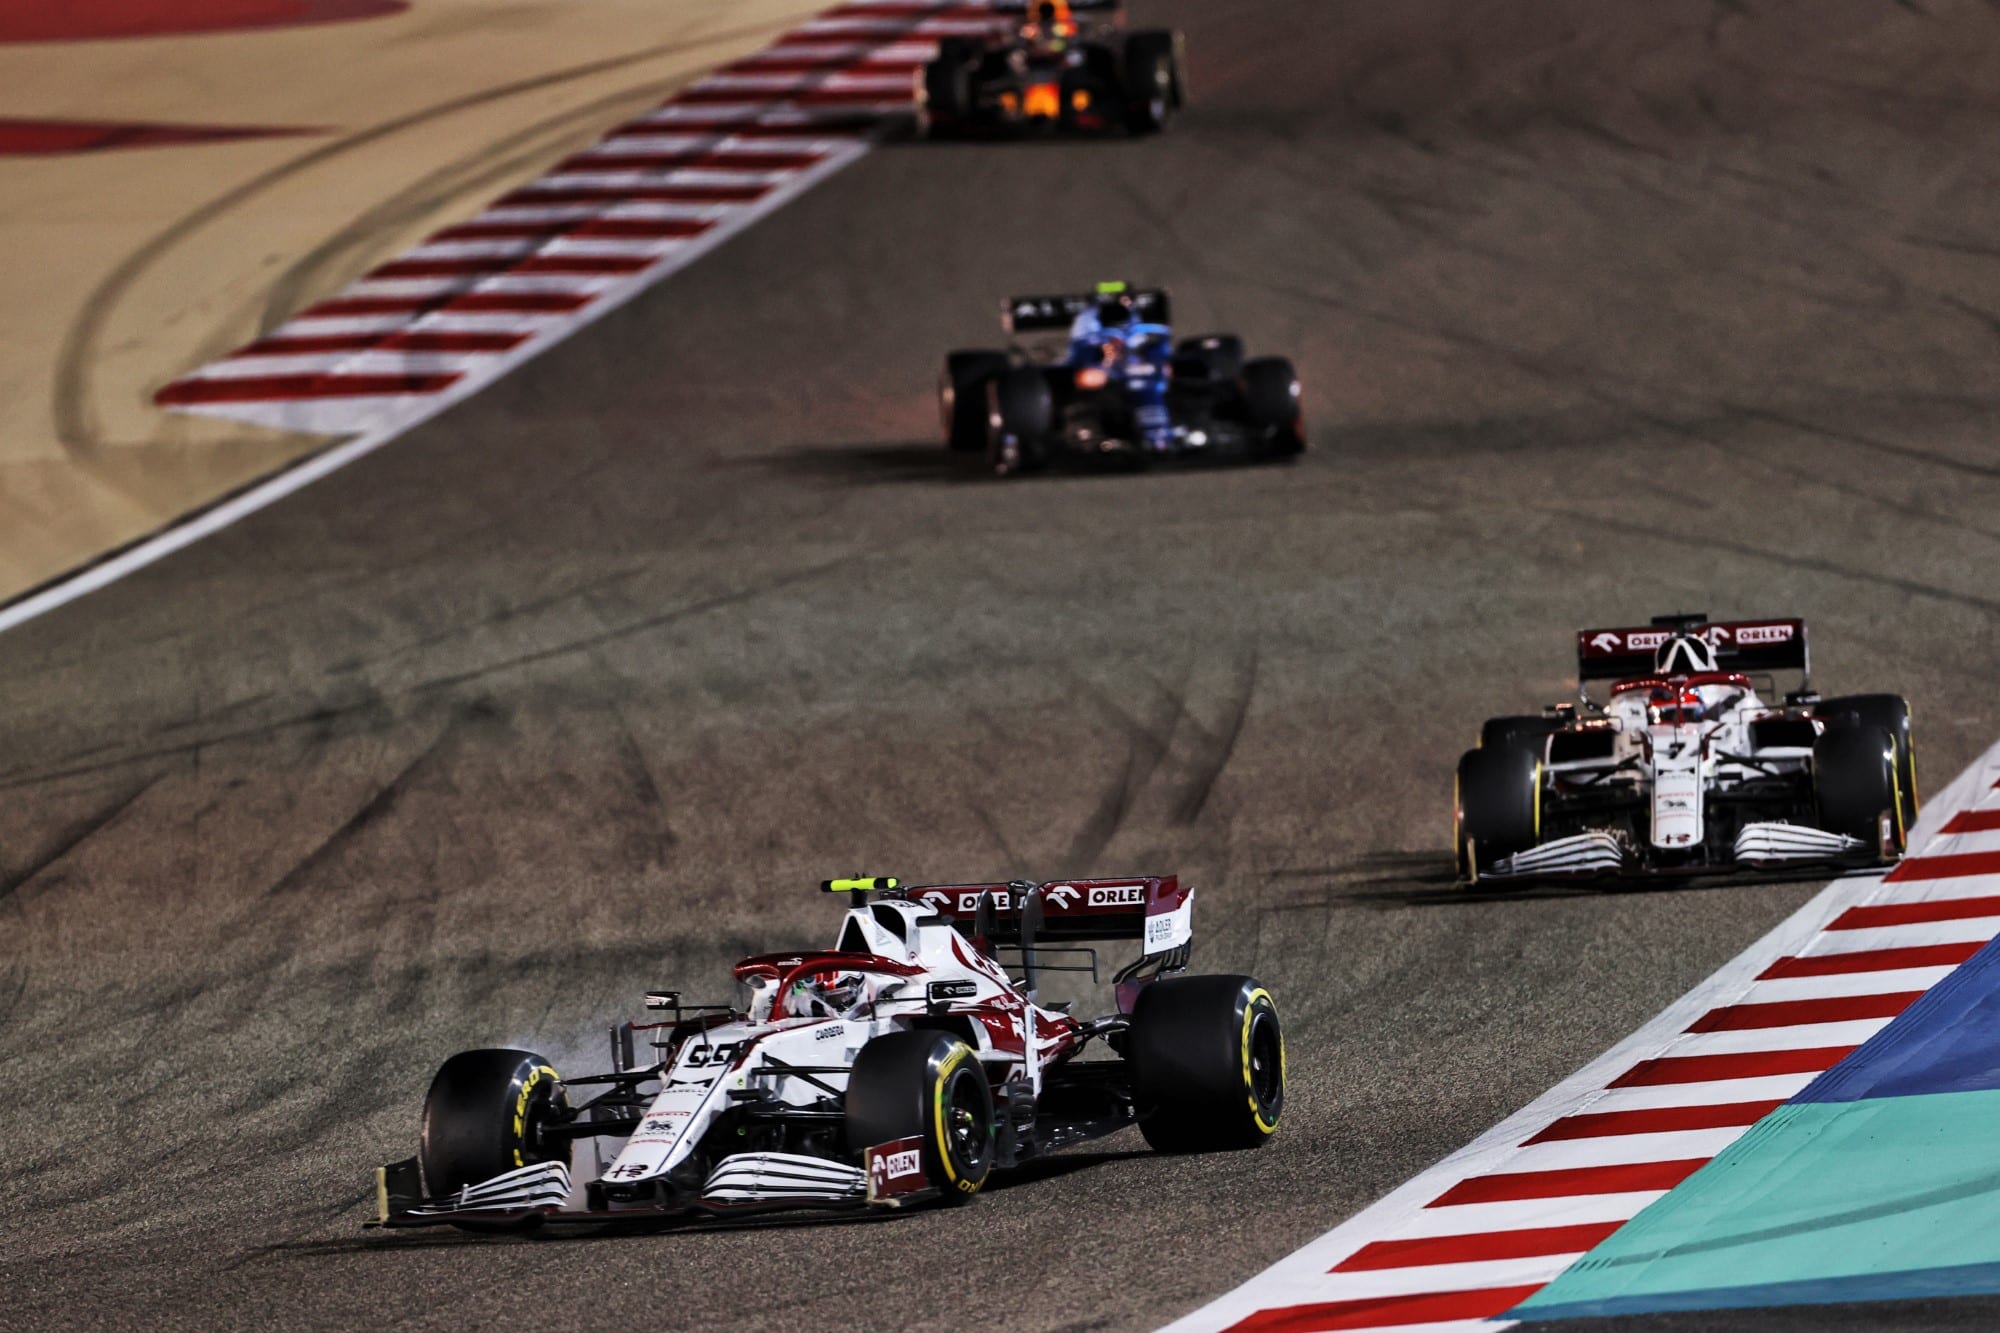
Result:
pixel 1740 645
pixel 1040 314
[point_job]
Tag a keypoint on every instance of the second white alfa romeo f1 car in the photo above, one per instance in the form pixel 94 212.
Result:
pixel 1686 768
pixel 902 1066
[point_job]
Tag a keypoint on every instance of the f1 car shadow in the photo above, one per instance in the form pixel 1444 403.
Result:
pixel 1386 880
pixel 867 464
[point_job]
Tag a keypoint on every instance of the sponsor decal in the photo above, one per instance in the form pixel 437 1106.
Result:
pixel 833 1030
pixel 699 1057
pixel 896 1170
pixel 1764 634
pixel 1123 895
pixel 938 991
pixel 1061 896
pixel 1159 931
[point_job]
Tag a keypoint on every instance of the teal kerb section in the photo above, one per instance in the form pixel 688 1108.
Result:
pixel 1823 1201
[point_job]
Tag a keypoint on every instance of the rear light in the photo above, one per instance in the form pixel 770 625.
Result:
pixel 1092 377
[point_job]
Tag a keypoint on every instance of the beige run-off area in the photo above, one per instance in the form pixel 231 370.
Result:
pixel 124 268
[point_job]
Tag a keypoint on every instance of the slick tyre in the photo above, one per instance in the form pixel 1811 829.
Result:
pixel 928 1086
pixel 1020 413
pixel 1497 806
pixel 1271 400
pixel 1891 713
pixel 947 93
pixel 1207 1056
pixel 485 1114
pixel 1854 784
pixel 1151 82
pixel 962 397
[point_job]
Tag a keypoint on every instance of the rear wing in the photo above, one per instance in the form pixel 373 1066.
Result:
pixel 1740 645
pixel 1040 314
pixel 1157 911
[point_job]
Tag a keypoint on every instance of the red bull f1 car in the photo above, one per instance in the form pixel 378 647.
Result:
pixel 1105 378
pixel 1686 767
pixel 1065 66
pixel 902 1066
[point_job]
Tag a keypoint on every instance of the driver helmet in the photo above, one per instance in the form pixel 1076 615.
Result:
pixel 1683 654
pixel 828 995
pixel 1051 22
pixel 1114 308
pixel 1676 706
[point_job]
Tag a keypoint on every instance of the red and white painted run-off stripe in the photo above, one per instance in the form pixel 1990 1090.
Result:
pixel 1489 1226
pixel 441 322
pixel 479 297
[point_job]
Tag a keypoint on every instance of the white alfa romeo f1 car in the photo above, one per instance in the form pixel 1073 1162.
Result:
pixel 902 1066
pixel 1686 768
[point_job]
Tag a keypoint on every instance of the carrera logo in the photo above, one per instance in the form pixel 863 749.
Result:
pixel 1764 634
pixel 1125 895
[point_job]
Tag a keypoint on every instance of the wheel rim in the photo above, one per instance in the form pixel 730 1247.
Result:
pixel 1267 1062
pixel 965 1124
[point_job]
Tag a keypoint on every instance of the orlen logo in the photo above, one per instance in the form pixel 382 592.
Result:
pixel 967 902
pixel 1124 895
pixel 899 1164
pixel 1764 634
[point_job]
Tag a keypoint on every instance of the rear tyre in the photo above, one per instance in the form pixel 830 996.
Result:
pixel 1271 400
pixel 1020 413
pixel 947 85
pixel 962 397
pixel 1208 1063
pixel 1854 783
pixel 1150 81
pixel 1498 806
pixel 485 1114
pixel 925 1085
pixel 1890 712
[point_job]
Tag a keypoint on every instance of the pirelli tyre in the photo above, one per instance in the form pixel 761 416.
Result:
pixel 1855 787
pixel 1272 402
pixel 486 1113
pixel 1496 806
pixel 1890 712
pixel 962 389
pixel 1020 415
pixel 947 87
pixel 1207 1056
pixel 1152 81
pixel 925 1085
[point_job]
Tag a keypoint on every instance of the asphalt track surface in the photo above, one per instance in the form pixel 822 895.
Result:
pixel 1603 310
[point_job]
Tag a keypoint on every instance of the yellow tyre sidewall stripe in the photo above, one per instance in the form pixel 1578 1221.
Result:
pixel 1249 1021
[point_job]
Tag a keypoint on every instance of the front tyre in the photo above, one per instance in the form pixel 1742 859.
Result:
pixel 1151 81
pixel 1854 784
pixel 485 1114
pixel 1497 806
pixel 1273 402
pixel 1208 1063
pixel 1020 415
pixel 928 1086
pixel 962 391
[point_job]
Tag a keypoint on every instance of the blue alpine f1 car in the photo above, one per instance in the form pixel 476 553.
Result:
pixel 1116 385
